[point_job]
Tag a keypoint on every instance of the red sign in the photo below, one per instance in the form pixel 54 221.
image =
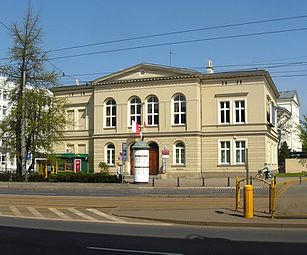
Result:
pixel 165 152
pixel 77 165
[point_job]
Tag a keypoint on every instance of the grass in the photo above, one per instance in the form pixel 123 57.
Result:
pixel 303 174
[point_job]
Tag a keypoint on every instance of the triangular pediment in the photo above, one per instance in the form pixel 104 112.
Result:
pixel 145 71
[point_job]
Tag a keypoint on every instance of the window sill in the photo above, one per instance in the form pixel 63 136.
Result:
pixel 178 125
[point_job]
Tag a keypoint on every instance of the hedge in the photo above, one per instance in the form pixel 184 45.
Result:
pixel 62 177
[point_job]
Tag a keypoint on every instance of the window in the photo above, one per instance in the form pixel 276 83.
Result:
pixel 82 119
pixel 110 154
pixel 224 112
pixel 81 148
pixel 240 111
pixel 135 110
pixel 180 154
pixel 111 113
pixel 153 111
pixel 70 148
pixel 70 119
pixel 4 110
pixel 179 110
pixel 240 152
pixel 225 152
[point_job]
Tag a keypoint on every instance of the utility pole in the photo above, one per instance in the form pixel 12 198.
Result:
pixel 23 126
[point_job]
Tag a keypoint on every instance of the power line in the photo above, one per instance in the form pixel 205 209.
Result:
pixel 180 42
pixel 180 32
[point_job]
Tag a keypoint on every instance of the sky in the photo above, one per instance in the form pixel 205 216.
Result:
pixel 234 34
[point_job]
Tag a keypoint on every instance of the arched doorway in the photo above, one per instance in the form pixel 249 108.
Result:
pixel 153 159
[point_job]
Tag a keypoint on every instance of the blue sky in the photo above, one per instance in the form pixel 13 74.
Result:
pixel 68 23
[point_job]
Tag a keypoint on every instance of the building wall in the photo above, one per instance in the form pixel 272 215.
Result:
pixel 203 135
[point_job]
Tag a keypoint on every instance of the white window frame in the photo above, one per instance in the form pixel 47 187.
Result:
pixel 110 154
pixel 226 112
pixel 241 150
pixel 112 113
pixel 180 160
pixel 152 113
pixel 136 116
pixel 238 110
pixel 180 112
pixel 225 150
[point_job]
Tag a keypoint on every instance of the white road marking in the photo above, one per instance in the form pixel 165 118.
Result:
pixel 133 251
pixel 110 217
pixel 35 212
pixel 59 213
pixel 15 211
pixel 81 214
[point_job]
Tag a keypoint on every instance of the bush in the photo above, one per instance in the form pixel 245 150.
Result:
pixel 36 177
pixel 5 177
pixel 102 177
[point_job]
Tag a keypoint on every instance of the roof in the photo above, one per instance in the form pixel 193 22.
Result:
pixel 289 95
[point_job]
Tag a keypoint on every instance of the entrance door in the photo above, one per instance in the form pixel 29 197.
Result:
pixel 153 159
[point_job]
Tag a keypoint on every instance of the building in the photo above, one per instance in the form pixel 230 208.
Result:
pixel 289 119
pixel 6 162
pixel 205 121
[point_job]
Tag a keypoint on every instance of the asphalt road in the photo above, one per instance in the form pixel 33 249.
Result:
pixel 25 236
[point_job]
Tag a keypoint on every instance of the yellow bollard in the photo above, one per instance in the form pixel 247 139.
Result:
pixel 248 201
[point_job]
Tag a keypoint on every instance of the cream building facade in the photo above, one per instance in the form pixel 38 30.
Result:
pixel 205 121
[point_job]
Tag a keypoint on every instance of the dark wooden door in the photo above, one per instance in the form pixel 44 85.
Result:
pixel 153 159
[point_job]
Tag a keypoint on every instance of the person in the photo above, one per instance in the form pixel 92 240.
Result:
pixel 267 171
pixel 118 170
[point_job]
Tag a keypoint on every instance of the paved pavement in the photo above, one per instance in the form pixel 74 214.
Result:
pixel 193 210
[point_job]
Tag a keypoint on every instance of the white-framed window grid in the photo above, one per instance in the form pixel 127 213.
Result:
pixel 232 151
pixel 135 107
pixel 224 112
pixel 179 109
pixel 179 149
pixel 239 111
pixel 110 154
pixel 240 147
pixel 110 113
pixel 232 111
pixel 152 111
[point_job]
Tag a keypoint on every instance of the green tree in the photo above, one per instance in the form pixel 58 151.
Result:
pixel 283 154
pixel 303 132
pixel 27 68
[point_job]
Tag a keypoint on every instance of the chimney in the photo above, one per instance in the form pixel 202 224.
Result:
pixel 210 68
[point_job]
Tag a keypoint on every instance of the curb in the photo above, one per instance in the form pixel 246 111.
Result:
pixel 219 223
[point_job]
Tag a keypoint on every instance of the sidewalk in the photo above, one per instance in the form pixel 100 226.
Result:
pixel 198 210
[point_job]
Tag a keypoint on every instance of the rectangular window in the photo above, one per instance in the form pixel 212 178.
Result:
pixel 225 152
pixel 240 152
pixel 81 148
pixel 224 112
pixel 82 119
pixel 70 148
pixel 240 111
pixel 70 119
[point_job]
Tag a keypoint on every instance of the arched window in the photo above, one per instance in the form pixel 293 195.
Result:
pixel 135 110
pixel 179 153
pixel 111 113
pixel 152 111
pixel 179 109
pixel 110 154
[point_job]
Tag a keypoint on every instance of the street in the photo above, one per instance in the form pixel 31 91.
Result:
pixel 25 236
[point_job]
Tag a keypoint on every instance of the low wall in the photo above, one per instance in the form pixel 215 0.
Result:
pixel 296 165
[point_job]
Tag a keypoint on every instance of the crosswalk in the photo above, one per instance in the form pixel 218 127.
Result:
pixel 60 213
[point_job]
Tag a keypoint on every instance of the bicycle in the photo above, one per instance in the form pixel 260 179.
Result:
pixel 262 175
